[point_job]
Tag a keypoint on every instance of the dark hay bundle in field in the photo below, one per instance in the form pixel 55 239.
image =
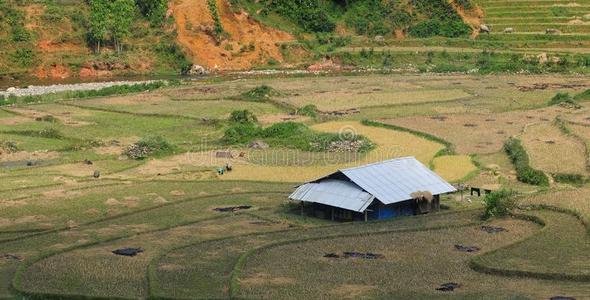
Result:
pixel 232 208
pixel 11 257
pixel 492 229
pixel 448 287
pixel 128 251
pixel 352 254
pixel 468 249
pixel 367 255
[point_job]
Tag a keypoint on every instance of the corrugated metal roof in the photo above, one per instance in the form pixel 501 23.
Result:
pixel 334 192
pixel 390 182
pixel 394 180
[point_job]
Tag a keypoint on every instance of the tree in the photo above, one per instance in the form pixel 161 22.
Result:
pixel 153 10
pixel 99 19
pixel 122 13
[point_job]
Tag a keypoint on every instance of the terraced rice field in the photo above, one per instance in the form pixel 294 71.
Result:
pixel 530 16
pixel 59 225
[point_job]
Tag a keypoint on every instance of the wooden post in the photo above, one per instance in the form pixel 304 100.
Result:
pixel 366 219
pixel 302 208
pixel 332 214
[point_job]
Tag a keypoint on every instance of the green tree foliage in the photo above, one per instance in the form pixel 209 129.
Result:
pixel 499 203
pixel 441 20
pixel 122 15
pixel 153 10
pixel 110 19
pixel 311 15
pixel 377 17
pixel 98 25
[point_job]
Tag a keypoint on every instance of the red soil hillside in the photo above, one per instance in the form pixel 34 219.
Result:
pixel 248 42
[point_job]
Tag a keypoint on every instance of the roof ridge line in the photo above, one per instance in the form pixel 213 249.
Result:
pixel 379 163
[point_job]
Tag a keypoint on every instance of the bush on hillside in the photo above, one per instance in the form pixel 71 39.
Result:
pixel 259 93
pixel 150 145
pixel 499 203
pixel 524 172
pixel 242 117
pixel 309 110
pixel 311 15
pixel 434 27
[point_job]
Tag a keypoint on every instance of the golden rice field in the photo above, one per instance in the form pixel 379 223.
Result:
pixel 295 166
pixel 453 167
pixel 551 151
pixel 390 144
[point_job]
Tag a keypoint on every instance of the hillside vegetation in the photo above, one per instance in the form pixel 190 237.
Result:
pixel 59 39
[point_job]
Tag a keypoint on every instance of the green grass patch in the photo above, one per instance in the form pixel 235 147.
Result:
pixel 564 99
pixel 290 135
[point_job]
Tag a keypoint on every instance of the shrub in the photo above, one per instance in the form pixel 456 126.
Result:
pixel 259 93
pixel 309 110
pixel 242 117
pixel 499 203
pixel 524 172
pixel 564 99
pixel 575 179
pixel 311 15
pixel 583 96
pixel 368 17
pixel 241 133
pixel 8 146
pixel 24 57
pixel 153 10
pixel 434 27
pixel 150 145
pixel 217 26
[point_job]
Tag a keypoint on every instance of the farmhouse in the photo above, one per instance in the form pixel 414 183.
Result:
pixel 377 191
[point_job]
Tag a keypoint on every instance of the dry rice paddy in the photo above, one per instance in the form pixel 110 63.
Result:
pixel 552 151
pixel 478 133
pixel 346 99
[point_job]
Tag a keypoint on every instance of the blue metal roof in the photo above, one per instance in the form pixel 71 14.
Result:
pixel 389 181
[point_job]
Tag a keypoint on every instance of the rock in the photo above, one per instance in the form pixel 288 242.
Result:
pixel 87 162
pixel 509 30
pixel 96 174
pixel 484 28
pixel 555 59
pixel 196 70
pixel 258 145
pixel 379 39
pixel 11 89
pixel 552 31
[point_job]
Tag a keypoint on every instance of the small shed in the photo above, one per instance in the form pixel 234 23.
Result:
pixel 376 191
